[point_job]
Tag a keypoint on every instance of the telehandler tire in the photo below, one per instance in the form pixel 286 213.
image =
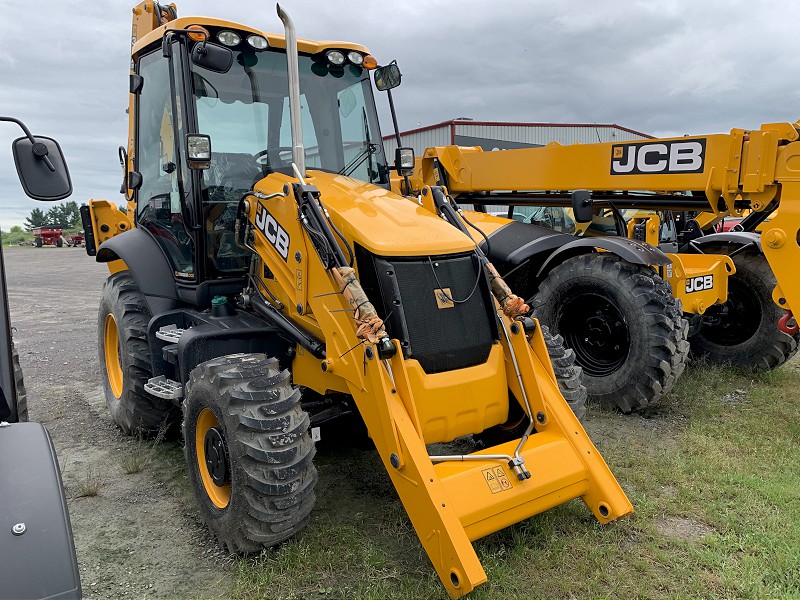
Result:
pixel 747 335
pixel 570 383
pixel 125 359
pixel 19 384
pixel 623 323
pixel 249 452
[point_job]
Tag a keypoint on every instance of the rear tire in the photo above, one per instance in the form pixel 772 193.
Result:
pixel 570 383
pixel 747 335
pixel 125 359
pixel 626 328
pixel 37 241
pixel 19 384
pixel 249 452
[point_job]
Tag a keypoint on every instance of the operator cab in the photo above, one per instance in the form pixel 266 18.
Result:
pixel 231 84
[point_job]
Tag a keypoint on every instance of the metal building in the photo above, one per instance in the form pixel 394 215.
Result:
pixel 491 135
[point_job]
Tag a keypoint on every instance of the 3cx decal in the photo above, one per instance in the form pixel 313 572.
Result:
pixel 698 284
pixel 272 230
pixel 662 157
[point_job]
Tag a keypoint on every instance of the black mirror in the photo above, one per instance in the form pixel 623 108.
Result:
pixel 212 57
pixel 582 206
pixel 198 150
pixel 388 77
pixel 41 168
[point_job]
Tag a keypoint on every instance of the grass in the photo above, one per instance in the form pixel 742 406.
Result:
pixel 143 452
pixel 713 475
pixel 88 484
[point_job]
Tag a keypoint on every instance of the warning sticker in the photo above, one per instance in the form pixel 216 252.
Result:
pixel 496 479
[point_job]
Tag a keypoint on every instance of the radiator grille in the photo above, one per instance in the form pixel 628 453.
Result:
pixel 441 339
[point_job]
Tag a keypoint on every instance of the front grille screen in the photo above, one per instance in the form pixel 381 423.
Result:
pixel 440 334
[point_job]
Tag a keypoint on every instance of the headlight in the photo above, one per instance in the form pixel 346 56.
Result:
pixel 229 38
pixel 258 42
pixel 355 57
pixel 335 57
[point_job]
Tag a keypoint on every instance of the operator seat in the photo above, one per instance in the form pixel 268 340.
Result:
pixel 230 176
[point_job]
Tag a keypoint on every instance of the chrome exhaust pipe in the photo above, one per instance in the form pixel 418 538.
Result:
pixel 295 118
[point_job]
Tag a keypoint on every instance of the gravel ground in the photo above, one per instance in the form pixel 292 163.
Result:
pixel 137 535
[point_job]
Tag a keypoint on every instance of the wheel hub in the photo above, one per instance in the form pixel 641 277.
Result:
pixel 596 330
pixel 216 456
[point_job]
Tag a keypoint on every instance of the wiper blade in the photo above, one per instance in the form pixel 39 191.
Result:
pixel 359 159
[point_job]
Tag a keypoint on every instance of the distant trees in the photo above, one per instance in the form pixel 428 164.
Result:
pixel 37 219
pixel 67 215
pixel 16 235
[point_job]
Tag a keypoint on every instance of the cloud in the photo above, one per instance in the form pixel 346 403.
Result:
pixel 665 68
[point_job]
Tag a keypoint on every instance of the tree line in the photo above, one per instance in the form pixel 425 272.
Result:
pixel 66 215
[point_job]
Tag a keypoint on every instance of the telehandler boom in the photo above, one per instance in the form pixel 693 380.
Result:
pixel 723 279
pixel 266 281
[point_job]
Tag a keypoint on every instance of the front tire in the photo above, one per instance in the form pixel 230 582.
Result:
pixel 745 333
pixel 623 323
pixel 125 359
pixel 249 452
pixel 570 383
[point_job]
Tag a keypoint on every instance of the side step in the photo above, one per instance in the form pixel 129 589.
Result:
pixel 170 333
pixel 161 387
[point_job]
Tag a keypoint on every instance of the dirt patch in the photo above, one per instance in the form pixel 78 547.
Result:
pixel 139 535
pixel 683 528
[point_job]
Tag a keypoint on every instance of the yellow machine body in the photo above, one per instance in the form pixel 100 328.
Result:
pixel 450 501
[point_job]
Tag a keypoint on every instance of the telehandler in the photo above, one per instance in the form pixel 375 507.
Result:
pixel 265 280
pixel 681 188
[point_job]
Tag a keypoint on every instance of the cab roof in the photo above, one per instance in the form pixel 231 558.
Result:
pixel 275 40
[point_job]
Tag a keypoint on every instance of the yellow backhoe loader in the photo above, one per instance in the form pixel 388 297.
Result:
pixel 266 281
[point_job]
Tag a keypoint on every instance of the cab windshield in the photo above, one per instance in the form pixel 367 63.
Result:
pixel 246 113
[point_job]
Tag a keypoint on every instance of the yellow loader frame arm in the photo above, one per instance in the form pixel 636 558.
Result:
pixel 727 173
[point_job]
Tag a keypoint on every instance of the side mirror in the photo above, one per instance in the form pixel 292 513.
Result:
pixel 582 206
pixel 41 168
pixel 388 77
pixel 198 150
pixel 404 161
pixel 212 57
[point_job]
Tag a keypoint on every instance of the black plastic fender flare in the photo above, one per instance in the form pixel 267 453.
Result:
pixel 145 260
pixel 728 238
pixel 632 251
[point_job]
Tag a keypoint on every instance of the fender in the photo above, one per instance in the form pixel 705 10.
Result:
pixel 39 557
pixel 632 251
pixel 727 238
pixel 147 264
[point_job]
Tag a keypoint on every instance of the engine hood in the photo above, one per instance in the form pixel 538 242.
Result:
pixel 381 221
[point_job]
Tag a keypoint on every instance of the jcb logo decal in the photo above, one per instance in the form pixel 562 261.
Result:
pixel 662 157
pixel 698 284
pixel 272 230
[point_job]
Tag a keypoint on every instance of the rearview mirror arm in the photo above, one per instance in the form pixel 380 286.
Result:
pixel 40 150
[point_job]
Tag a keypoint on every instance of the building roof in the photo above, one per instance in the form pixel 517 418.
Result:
pixel 453 122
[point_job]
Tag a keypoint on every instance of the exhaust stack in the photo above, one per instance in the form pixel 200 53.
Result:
pixel 298 151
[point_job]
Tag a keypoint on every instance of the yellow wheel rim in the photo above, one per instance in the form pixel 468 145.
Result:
pixel 113 364
pixel 220 495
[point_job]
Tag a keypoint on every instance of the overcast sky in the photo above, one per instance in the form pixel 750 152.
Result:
pixel 664 68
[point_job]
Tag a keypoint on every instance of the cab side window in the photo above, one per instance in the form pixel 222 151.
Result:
pixel 158 207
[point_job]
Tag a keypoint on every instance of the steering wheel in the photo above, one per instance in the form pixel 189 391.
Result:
pixel 271 156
